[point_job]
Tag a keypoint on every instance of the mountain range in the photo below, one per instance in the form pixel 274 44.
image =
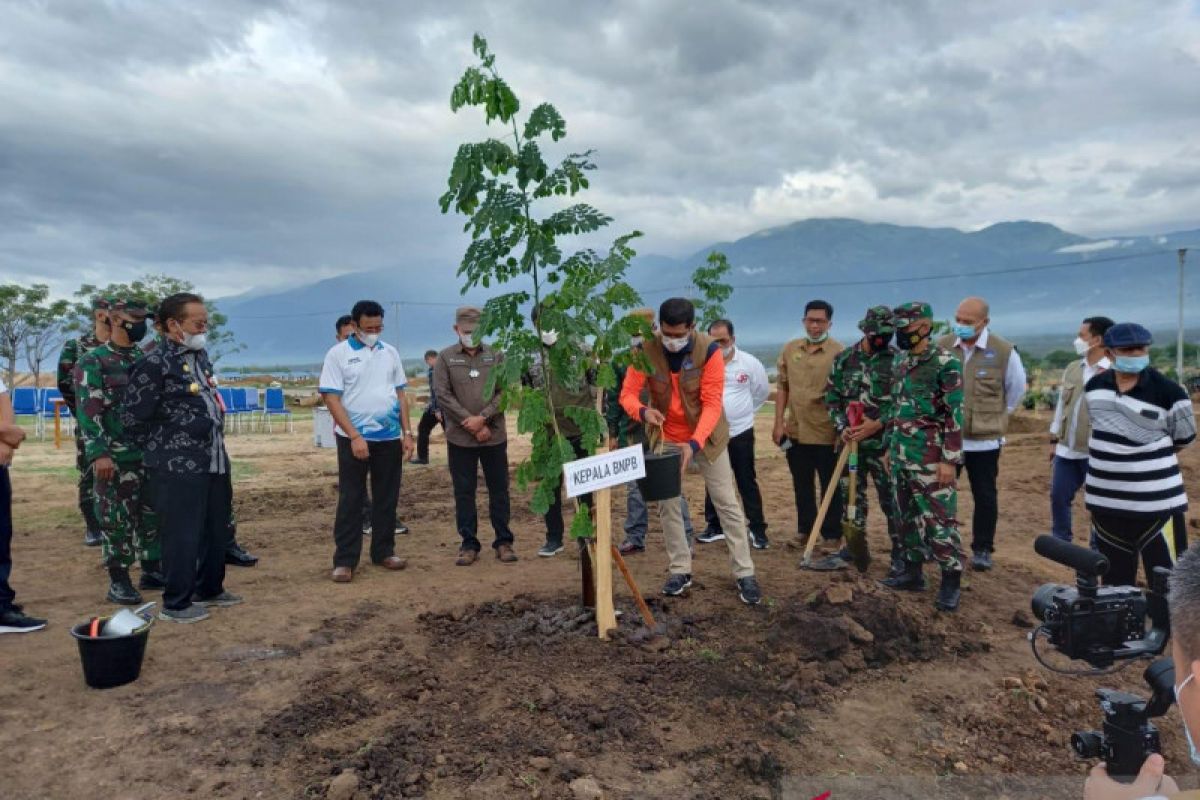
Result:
pixel 1037 278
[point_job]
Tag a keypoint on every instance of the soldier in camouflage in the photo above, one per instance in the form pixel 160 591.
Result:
pixel 72 350
pixel 122 503
pixel 924 447
pixel 863 373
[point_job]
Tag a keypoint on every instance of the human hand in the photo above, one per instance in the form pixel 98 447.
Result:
pixel 438 416
pixel 12 435
pixel 1149 782
pixel 484 435
pixel 358 446
pixel 1053 447
pixel 685 458
pixel 946 474
pixel 409 447
pixel 6 454
pixel 865 430
pixel 777 435
pixel 654 417
pixel 474 424
pixel 612 443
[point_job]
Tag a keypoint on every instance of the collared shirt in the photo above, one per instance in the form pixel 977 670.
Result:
pixel 1061 450
pixel 459 379
pixel 746 389
pixel 366 380
pixel 804 368
pixel 1014 386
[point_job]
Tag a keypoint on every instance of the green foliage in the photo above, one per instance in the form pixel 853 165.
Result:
pixel 497 184
pixel 30 326
pixel 709 279
pixel 1057 359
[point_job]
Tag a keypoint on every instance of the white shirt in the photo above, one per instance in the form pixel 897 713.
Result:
pixel 1060 449
pixel 1014 387
pixel 366 380
pixel 746 389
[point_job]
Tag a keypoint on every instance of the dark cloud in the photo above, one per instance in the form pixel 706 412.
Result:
pixel 243 142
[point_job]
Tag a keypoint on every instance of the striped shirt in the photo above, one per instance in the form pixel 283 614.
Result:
pixel 1132 468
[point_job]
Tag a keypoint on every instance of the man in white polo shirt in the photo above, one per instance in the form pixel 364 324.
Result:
pixel 746 389
pixel 362 383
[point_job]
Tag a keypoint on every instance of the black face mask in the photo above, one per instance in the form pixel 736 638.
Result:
pixel 879 342
pixel 909 340
pixel 136 330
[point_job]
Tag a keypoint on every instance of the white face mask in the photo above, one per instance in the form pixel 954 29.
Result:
pixel 467 339
pixel 675 345
pixel 549 338
pixel 369 339
pixel 1081 347
pixel 728 352
pixel 195 341
pixel 636 341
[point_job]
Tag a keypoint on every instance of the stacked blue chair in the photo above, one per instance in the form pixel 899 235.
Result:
pixel 231 412
pixel 276 406
pixel 250 401
pixel 25 404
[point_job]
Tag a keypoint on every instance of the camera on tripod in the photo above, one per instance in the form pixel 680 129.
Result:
pixel 1102 625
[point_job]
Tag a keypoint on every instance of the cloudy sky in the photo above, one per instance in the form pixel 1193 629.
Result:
pixel 244 143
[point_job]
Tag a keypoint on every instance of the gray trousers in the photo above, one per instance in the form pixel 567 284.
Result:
pixel 718 480
pixel 637 516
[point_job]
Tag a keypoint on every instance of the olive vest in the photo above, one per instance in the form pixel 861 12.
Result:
pixel 985 409
pixel 690 374
pixel 1071 396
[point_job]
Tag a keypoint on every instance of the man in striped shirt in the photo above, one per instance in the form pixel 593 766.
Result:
pixel 1135 493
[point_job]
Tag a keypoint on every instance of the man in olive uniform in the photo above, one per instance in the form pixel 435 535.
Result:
pixel 72 350
pixel 924 441
pixel 122 502
pixel 863 373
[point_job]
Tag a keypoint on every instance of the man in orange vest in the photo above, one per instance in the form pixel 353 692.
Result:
pixel 686 385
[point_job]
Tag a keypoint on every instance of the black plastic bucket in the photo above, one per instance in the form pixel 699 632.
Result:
pixel 663 479
pixel 110 661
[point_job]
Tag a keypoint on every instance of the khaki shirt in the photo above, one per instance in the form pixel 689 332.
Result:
pixel 459 379
pixel 803 370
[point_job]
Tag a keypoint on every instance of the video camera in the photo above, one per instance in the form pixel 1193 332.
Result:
pixel 1102 625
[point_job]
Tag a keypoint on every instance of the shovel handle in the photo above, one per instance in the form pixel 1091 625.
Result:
pixel 825 503
pixel 852 494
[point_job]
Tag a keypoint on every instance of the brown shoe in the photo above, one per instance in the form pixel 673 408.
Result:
pixel 505 553
pixel 342 574
pixel 466 557
pixel 393 563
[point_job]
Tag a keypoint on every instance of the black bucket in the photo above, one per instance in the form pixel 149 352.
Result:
pixel 110 661
pixel 663 479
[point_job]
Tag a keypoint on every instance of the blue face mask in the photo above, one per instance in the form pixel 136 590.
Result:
pixel 1191 745
pixel 1131 363
pixel 964 332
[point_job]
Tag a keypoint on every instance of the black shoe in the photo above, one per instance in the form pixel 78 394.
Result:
pixel 152 576
pixel 832 563
pixel 550 549
pixel 912 579
pixel 710 536
pixel 93 539
pixel 981 561
pixel 401 529
pixel 418 461
pixel 676 584
pixel 950 591
pixel 235 555
pixel 759 541
pixel 748 590
pixel 13 620
pixel 897 567
pixel 120 588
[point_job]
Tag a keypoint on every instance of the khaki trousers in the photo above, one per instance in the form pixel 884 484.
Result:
pixel 718 479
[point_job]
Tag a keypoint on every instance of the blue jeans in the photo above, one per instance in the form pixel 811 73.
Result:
pixel 637 517
pixel 1066 477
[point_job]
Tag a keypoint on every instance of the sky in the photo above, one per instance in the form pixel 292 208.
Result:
pixel 262 143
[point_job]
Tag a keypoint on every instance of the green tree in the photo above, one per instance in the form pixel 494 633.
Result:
pixel 152 289
pixel 499 184
pixel 28 320
pixel 1059 359
pixel 709 280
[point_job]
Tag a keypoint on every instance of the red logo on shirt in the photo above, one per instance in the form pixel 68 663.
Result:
pixel 742 377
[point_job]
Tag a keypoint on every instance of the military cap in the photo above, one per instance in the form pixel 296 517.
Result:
pixel 907 314
pixel 101 303
pixel 130 304
pixel 1127 334
pixel 467 315
pixel 877 320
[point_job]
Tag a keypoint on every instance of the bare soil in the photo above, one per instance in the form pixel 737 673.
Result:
pixel 489 682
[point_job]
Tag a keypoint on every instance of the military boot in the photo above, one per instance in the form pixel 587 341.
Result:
pixel 912 579
pixel 897 568
pixel 950 591
pixel 152 576
pixel 120 588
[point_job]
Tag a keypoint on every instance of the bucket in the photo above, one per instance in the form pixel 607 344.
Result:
pixel 663 480
pixel 110 661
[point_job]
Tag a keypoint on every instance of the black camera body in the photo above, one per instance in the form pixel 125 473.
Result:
pixel 1102 625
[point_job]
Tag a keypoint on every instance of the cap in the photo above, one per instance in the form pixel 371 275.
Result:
pixel 907 314
pixel 644 313
pixel 467 315
pixel 877 320
pixel 101 303
pixel 130 304
pixel 1127 334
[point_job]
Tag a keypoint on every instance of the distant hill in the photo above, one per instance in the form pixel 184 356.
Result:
pixel 850 263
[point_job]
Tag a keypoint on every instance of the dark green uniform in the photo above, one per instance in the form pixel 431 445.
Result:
pixel 72 350
pixel 925 429
pixel 122 504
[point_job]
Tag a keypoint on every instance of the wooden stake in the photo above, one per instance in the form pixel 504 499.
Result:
pixel 647 617
pixel 606 618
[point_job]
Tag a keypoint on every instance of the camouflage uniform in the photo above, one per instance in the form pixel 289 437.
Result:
pixel 867 378
pixel 122 504
pixel 71 352
pixel 925 429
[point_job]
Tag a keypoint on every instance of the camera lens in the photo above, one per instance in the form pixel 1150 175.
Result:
pixel 1043 598
pixel 1088 744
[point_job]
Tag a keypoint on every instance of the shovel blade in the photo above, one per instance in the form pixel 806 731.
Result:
pixel 856 543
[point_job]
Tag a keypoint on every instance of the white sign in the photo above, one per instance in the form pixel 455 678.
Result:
pixel 605 470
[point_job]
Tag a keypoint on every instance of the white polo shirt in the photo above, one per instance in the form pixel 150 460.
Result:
pixel 366 380
pixel 746 389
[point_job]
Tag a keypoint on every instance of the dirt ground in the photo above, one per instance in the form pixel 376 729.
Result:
pixel 488 682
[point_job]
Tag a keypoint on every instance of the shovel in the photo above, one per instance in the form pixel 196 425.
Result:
pixel 852 529
pixel 826 501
